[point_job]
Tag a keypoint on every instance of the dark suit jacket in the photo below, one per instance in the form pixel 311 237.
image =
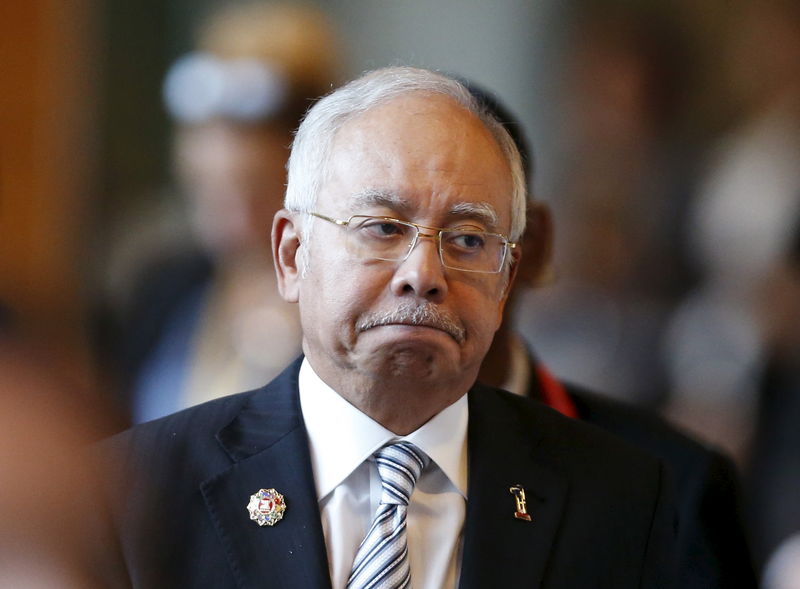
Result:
pixel 713 551
pixel 774 477
pixel 602 510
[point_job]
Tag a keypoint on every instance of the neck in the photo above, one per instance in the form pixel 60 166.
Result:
pixel 401 402
pixel 400 414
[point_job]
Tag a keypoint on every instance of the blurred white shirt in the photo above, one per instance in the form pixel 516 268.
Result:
pixel 783 568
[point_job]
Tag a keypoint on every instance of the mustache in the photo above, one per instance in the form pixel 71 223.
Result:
pixel 427 315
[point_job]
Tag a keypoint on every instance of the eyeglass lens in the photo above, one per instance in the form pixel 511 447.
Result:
pixel 379 238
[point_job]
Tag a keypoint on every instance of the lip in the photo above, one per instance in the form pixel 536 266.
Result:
pixel 415 325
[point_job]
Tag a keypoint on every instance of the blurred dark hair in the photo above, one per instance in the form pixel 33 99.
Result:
pixel 494 106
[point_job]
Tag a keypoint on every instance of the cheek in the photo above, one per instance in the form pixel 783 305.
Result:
pixel 482 301
pixel 336 293
pixel 489 320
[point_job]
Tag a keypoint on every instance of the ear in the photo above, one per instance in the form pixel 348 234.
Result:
pixel 513 271
pixel 537 246
pixel 286 253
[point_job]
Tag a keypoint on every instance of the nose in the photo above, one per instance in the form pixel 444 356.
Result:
pixel 421 273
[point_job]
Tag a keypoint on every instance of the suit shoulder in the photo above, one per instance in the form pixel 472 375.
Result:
pixel 176 436
pixel 647 430
pixel 584 444
pixel 207 415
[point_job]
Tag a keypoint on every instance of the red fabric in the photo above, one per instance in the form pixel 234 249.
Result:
pixel 554 394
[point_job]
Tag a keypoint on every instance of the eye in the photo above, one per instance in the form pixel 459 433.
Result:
pixel 381 229
pixel 467 241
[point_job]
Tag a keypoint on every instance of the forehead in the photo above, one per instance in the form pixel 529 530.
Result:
pixel 427 150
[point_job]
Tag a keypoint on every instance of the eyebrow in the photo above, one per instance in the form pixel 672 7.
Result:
pixel 375 197
pixel 480 211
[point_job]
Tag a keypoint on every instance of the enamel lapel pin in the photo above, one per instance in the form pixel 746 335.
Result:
pixel 519 496
pixel 266 507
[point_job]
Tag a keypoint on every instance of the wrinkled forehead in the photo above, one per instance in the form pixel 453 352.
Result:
pixel 420 150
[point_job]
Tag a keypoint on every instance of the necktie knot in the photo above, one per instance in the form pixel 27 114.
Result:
pixel 399 467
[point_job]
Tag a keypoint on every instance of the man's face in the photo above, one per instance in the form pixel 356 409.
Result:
pixel 423 159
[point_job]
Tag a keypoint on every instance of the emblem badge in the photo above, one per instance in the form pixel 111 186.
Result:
pixel 521 511
pixel 266 507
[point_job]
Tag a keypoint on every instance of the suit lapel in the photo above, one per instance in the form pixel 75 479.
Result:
pixel 268 444
pixel 504 447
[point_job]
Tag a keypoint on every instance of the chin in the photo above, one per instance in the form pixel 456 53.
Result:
pixel 411 365
pixel 412 353
pixel 414 362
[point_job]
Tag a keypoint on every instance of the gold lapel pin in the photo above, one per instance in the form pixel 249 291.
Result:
pixel 519 495
pixel 266 507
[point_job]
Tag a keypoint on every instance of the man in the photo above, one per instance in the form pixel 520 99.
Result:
pixel 713 551
pixel 398 242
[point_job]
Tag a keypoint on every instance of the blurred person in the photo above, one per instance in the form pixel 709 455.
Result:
pixel 404 203
pixel 713 550
pixel 739 225
pixel 48 486
pixel 209 322
pixel 621 196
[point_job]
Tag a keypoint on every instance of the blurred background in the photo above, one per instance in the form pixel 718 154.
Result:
pixel 136 197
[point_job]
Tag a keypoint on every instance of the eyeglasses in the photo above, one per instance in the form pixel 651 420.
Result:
pixel 384 238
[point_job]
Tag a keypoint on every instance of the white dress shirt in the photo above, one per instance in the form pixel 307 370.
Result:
pixel 342 441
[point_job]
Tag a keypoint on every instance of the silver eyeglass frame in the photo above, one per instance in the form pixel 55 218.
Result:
pixel 437 235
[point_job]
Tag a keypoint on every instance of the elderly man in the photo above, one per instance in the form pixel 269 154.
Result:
pixel 376 460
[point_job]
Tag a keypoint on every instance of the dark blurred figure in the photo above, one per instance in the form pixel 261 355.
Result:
pixel 622 192
pixel 48 512
pixel 775 472
pixel 739 227
pixel 713 551
pixel 209 322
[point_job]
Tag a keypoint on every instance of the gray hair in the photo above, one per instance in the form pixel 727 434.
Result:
pixel 311 149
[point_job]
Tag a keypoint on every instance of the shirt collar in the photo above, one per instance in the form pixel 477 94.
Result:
pixel 341 437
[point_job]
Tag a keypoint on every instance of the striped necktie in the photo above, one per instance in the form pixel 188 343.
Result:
pixel 382 558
